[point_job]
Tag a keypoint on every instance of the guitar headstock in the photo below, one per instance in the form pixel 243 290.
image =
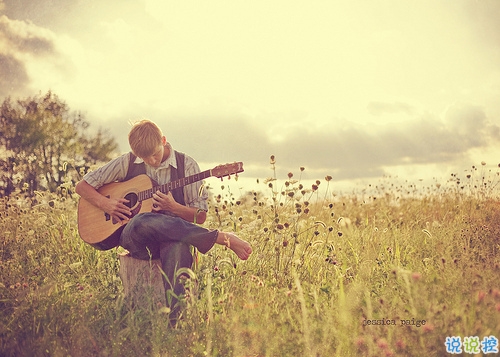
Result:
pixel 227 169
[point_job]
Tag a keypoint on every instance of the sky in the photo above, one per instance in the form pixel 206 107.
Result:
pixel 352 89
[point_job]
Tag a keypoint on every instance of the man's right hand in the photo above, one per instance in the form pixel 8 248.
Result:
pixel 117 209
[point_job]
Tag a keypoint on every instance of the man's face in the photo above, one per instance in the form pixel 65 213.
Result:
pixel 155 159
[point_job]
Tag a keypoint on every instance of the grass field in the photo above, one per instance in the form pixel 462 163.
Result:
pixel 389 273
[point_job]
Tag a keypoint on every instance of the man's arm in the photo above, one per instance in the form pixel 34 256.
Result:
pixel 115 208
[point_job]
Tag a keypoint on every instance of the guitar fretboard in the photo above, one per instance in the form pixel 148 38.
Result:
pixel 169 186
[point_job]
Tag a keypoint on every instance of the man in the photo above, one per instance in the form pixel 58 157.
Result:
pixel 172 228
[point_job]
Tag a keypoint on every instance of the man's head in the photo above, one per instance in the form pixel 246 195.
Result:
pixel 146 140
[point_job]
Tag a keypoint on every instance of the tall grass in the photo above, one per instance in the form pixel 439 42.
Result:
pixel 323 266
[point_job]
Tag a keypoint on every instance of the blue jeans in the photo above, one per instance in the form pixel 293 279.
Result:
pixel 158 236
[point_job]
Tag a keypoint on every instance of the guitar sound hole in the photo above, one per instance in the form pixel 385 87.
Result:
pixel 132 200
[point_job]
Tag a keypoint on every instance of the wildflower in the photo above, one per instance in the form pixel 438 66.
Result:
pixel 272 161
pixel 331 261
pixel 495 293
pixel 314 187
pixel 428 327
pixel 360 342
pixel 302 168
pixel 328 178
pixel 400 344
pixel 480 296
pixel 382 343
pixel 290 175
pixel 416 276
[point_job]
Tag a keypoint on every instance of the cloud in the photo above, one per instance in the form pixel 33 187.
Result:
pixel 25 37
pixel 347 151
pixel 13 77
pixel 26 51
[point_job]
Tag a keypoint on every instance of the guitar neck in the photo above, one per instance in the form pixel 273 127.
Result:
pixel 172 185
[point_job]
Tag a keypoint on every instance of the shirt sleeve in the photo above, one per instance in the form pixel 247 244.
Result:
pixel 195 194
pixel 115 170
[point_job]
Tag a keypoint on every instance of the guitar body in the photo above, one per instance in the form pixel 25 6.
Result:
pixel 96 227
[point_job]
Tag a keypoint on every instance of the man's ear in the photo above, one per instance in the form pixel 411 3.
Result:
pixel 163 140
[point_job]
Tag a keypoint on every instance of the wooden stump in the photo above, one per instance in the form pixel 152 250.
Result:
pixel 142 281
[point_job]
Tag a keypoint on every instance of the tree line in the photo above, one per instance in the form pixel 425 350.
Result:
pixel 44 145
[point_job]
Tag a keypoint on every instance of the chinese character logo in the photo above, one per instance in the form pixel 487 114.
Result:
pixel 453 344
pixel 471 345
pixel 489 345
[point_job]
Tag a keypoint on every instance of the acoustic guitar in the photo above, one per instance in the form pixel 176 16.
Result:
pixel 100 230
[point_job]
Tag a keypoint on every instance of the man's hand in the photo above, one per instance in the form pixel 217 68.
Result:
pixel 164 202
pixel 117 209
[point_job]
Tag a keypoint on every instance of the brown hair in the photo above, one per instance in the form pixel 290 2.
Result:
pixel 144 138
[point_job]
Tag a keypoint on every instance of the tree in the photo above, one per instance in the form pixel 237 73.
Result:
pixel 41 140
